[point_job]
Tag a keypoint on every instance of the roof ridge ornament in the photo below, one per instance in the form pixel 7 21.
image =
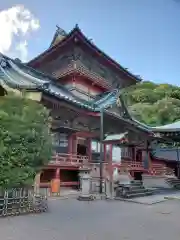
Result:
pixel 77 26
pixel 60 31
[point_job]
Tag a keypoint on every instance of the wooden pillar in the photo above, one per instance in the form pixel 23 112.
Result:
pixel 105 154
pixel 148 155
pixel 146 160
pixel 89 148
pixel 70 144
pixel 135 150
pixel 110 151
pixel 74 144
pixel 133 154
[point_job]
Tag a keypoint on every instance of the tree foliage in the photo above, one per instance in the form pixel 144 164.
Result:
pixel 153 104
pixel 25 142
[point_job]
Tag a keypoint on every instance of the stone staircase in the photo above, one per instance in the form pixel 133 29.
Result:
pixel 132 190
pixel 173 182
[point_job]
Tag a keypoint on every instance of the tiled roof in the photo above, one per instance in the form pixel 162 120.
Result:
pixel 168 154
pixel 168 127
pixel 20 76
pixel 115 137
pixel 76 33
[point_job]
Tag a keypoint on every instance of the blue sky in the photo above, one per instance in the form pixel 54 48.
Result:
pixel 142 35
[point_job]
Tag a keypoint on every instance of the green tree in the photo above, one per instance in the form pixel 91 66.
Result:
pixel 153 104
pixel 25 141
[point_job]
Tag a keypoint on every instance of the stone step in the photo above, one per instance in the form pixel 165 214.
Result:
pixel 138 190
pixel 175 183
pixel 136 187
pixel 177 186
pixel 173 180
pixel 136 183
pixel 142 194
pixel 128 192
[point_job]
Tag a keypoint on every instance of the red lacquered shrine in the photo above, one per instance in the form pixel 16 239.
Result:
pixel 78 82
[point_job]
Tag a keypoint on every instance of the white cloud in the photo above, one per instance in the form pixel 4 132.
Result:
pixel 21 47
pixel 16 25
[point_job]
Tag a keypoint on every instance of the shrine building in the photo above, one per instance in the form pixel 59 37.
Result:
pixel 80 85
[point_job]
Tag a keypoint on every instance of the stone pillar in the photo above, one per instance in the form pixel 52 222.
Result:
pixel 55 183
pixel 110 177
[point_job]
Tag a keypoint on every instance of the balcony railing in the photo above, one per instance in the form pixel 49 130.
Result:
pixel 74 160
pixel 69 159
pixel 130 165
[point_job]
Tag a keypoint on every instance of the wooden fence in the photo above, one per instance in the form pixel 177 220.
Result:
pixel 21 201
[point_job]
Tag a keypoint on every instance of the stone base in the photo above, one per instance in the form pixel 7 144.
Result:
pixel 86 198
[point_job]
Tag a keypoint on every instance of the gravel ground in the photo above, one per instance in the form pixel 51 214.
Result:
pixel 111 220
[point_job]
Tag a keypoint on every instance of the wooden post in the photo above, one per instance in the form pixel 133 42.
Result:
pixel 70 142
pixel 89 149
pixel 74 144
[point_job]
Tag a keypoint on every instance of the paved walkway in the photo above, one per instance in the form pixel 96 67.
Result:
pixel 98 220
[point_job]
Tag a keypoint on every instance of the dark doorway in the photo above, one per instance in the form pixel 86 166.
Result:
pixel 81 150
pixel 138 176
pixel 138 156
pixel 47 175
pixel 177 170
pixel 70 178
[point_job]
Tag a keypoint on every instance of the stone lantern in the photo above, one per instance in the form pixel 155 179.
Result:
pixel 85 184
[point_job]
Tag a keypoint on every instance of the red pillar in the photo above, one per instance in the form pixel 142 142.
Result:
pixel 70 147
pixel 105 155
pixel 110 151
pixel 133 154
pixel 74 144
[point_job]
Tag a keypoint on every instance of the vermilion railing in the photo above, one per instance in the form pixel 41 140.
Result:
pixel 64 159
pixel 129 165
pixel 69 159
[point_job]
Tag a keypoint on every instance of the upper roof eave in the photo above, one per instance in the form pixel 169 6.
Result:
pixel 76 32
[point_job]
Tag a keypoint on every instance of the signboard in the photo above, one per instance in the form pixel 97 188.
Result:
pixel 55 186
